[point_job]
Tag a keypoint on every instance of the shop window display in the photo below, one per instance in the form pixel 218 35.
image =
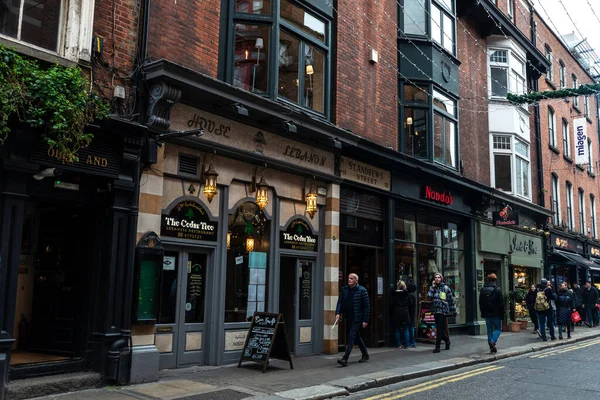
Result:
pixel 426 246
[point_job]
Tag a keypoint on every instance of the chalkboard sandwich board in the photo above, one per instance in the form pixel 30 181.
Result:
pixel 266 339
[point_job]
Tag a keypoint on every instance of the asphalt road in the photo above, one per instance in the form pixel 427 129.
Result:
pixel 568 372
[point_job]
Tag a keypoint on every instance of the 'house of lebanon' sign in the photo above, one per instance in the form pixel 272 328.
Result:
pixel 234 134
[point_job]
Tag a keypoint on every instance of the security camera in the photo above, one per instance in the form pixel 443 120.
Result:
pixel 47 173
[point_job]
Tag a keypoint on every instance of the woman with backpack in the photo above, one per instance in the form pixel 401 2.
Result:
pixel 530 301
pixel 442 306
pixel 545 313
pixel 564 308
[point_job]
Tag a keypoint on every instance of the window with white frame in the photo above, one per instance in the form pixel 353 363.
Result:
pixel 581 211
pixel 549 74
pixel 442 24
pixel 60 27
pixel 562 75
pixel 586 106
pixel 551 127
pixel 570 221
pixel 566 138
pixel 511 165
pixel 593 215
pixel 555 201
pixel 506 73
pixel 575 86
pixel 590 156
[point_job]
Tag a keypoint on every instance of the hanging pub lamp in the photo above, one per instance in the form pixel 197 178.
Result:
pixel 262 193
pixel 210 182
pixel 311 202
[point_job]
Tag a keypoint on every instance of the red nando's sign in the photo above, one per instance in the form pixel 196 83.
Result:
pixel 429 193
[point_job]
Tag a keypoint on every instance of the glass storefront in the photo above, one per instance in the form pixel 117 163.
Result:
pixel 427 245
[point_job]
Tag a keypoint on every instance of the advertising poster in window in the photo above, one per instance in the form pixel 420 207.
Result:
pixel 426 329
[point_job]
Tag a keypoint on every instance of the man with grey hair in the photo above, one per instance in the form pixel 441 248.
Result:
pixel 353 304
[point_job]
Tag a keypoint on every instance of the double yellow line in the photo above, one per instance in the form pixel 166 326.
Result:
pixel 566 349
pixel 425 386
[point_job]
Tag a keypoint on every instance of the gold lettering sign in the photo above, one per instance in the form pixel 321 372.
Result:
pixel 366 174
pixel 96 161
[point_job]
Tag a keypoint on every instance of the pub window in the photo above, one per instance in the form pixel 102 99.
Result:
pixel 300 56
pixel 247 263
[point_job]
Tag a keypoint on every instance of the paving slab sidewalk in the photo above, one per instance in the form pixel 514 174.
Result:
pixel 319 376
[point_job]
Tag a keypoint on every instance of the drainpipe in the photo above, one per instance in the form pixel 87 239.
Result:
pixel 536 116
pixel 114 358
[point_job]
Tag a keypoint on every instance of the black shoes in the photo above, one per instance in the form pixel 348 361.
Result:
pixel 447 346
pixel 364 359
pixel 343 362
pixel 436 350
pixel 560 337
pixel 493 347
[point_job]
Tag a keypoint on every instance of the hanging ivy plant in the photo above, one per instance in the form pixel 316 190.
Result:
pixel 583 90
pixel 53 99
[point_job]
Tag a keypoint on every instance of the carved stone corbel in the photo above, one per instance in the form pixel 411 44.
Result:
pixel 162 98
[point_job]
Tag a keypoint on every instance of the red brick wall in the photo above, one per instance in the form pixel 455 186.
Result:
pixel 120 49
pixel 556 163
pixel 366 98
pixel 473 125
pixel 186 33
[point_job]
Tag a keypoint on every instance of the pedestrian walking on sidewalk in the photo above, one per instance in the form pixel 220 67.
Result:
pixel 491 305
pixel 399 305
pixel 442 306
pixel 589 295
pixel 545 313
pixel 530 301
pixel 564 309
pixel 412 312
pixel 353 304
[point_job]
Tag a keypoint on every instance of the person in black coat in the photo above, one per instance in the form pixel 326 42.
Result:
pixel 564 308
pixel 399 307
pixel 589 296
pixel 412 312
pixel 530 301
pixel 491 305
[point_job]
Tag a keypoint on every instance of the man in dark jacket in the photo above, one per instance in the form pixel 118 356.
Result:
pixel 546 316
pixel 354 305
pixel 491 305
pixel 589 296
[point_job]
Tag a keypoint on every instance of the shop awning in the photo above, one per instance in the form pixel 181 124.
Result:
pixel 597 266
pixel 577 259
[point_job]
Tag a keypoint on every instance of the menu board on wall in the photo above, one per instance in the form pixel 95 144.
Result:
pixel 188 220
pixel 299 236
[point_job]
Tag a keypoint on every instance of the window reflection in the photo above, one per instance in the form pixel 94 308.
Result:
pixel 313 78
pixel 251 56
pixel 247 266
pixel 253 6
pixel 289 48
pixel 303 20
pixel 39 21
pixel 415 132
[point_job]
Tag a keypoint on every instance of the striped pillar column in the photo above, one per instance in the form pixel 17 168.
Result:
pixel 151 193
pixel 332 266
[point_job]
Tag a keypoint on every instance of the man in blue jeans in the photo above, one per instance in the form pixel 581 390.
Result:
pixel 353 303
pixel 491 305
pixel 546 315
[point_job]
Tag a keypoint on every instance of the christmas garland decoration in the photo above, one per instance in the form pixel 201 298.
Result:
pixel 583 90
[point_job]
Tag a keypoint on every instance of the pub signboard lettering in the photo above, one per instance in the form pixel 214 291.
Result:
pixel 235 134
pixel 97 159
pixel 432 194
pixel 561 242
pixel 188 220
pixel 299 236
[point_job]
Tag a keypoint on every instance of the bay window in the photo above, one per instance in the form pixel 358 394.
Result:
pixel 300 57
pixel 506 73
pixel 413 15
pixel 511 165
pixel 430 125
pixel 442 24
